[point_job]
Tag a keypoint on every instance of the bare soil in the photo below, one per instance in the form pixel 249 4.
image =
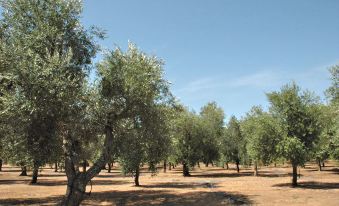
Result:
pixel 206 186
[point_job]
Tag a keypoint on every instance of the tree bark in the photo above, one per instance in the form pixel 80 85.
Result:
pixel 169 166
pixel 23 171
pixel 165 166
pixel 0 164
pixel 84 166
pixel 206 164
pixel 199 164
pixel 255 168
pixel 227 166
pixel 109 167
pixel 35 173
pixel 294 175
pixel 323 163
pixel 319 165
pixel 237 163
pixel 185 170
pixel 136 177
pixel 56 167
pixel 76 180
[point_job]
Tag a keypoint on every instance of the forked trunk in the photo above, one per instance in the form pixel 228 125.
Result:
pixel 35 174
pixel 136 177
pixel 294 175
pixel 255 168
pixel 56 167
pixel 185 170
pixel 23 171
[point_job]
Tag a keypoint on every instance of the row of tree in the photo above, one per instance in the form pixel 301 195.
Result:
pixel 52 114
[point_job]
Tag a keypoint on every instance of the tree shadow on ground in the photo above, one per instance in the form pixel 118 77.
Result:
pixel 178 185
pixel 44 182
pixel 143 198
pixel 221 175
pixel 311 185
pixel 53 200
pixel 163 197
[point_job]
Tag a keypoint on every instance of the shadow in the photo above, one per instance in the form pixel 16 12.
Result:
pixel 53 200
pixel 273 175
pixel 175 185
pixel 221 175
pixel 311 185
pixel 334 170
pixel 44 182
pixel 12 182
pixel 162 197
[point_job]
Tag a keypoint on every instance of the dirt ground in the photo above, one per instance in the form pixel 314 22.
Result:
pixel 206 186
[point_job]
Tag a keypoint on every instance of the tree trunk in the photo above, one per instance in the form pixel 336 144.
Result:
pixel 185 170
pixel 136 177
pixel 109 167
pixel 255 168
pixel 275 164
pixel 227 166
pixel 84 165
pixel 212 164
pixel 0 164
pixel 223 165
pixel 56 167
pixel 76 190
pixel 199 164
pixel 323 163
pixel 206 164
pixel 23 171
pixel 237 163
pixel 165 165
pixel 294 175
pixel 35 174
pixel 169 166
pixel 76 180
pixel 319 165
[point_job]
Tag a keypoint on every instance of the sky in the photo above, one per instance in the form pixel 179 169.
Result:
pixel 228 51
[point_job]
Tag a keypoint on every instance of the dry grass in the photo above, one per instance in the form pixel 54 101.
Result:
pixel 206 186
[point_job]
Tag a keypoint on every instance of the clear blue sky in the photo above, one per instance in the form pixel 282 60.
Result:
pixel 228 51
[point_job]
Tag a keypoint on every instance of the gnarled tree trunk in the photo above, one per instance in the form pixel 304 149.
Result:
pixel 185 170
pixel 319 165
pixel 255 168
pixel 23 171
pixel 35 173
pixel 294 175
pixel 136 177
pixel 56 167
pixel 237 163
pixel 77 181
pixel 165 165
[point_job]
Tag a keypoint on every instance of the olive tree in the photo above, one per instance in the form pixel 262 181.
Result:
pixel 262 132
pixel 299 116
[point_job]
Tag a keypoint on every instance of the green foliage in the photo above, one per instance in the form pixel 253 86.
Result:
pixel 132 87
pixel 293 149
pixel 211 131
pixel 262 132
pixel 233 143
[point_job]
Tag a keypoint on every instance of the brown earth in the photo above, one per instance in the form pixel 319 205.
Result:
pixel 206 186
